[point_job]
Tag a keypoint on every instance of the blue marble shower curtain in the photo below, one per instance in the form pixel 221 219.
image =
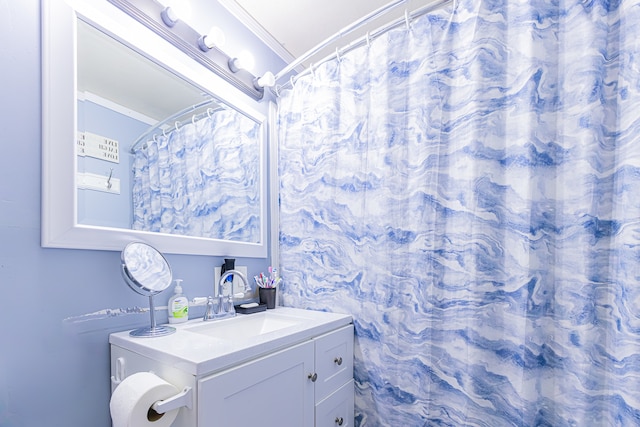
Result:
pixel 201 179
pixel 469 189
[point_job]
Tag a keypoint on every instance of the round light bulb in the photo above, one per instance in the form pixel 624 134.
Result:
pixel 267 80
pixel 181 8
pixel 245 60
pixel 215 37
pixel 169 16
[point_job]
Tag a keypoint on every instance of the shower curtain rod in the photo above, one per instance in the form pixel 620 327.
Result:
pixel 433 5
pixel 172 117
pixel 346 30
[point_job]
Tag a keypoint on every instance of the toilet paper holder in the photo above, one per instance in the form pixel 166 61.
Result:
pixel 184 398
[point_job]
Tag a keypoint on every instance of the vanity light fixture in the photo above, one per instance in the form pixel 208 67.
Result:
pixel 215 37
pixel 235 65
pixel 244 61
pixel 267 80
pixel 164 21
pixel 169 16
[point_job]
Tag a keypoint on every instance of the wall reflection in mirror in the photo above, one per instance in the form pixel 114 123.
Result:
pixel 156 153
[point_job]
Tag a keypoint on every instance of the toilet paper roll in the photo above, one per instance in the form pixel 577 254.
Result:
pixel 131 401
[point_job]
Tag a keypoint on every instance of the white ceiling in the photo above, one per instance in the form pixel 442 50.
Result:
pixel 299 25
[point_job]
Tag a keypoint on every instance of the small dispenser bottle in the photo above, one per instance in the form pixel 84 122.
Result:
pixel 178 305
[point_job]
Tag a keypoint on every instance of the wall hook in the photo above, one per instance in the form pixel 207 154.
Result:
pixel 109 183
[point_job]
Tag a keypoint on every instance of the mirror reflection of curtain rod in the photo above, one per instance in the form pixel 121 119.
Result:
pixel 145 136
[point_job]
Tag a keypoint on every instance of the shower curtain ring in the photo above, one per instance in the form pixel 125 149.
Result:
pixel 407 19
pixel 193 119
pixel 176 125
pixel 164 133
pixel 368 39
pixel 338 55
pixel 209 110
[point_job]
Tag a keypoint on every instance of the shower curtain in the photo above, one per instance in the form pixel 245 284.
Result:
pixel 467 188
pixel 201 179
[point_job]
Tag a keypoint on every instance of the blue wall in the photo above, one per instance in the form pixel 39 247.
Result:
pixel 55 372
pixel 98 207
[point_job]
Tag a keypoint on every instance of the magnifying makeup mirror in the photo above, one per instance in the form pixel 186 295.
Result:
pixel 148 273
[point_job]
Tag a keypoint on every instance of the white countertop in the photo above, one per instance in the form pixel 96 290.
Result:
pixel 200 354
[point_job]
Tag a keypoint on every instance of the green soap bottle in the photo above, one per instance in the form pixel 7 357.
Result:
pixel 178 305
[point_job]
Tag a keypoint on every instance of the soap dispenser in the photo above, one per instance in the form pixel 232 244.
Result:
pixel 178 305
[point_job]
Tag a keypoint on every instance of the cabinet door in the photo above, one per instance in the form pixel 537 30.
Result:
pixel 334 361
pixel 271 391
pixel 337 410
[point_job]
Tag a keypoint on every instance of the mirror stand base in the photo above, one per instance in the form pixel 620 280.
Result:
pixel 150 332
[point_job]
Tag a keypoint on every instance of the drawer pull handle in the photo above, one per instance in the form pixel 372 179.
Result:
pixel 339 421
pixel 313 377
pixel 338 361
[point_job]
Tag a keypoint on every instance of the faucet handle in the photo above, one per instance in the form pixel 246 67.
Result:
pixel 226 305
pixel 232 309
pixel 210 312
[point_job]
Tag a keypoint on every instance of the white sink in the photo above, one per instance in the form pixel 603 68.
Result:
pixel 202 348
pixel 245 326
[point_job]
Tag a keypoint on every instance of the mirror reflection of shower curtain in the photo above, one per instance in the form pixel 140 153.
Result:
pixel 468 190
pixel 201 180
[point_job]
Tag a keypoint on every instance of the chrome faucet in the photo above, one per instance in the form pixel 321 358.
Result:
pixel 220 307
pixel 226 275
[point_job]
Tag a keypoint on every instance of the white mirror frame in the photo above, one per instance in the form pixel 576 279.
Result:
pixel 60 228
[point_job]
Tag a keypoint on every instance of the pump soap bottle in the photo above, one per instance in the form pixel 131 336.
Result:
pixel 178 305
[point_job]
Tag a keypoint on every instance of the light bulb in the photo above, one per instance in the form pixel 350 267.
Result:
pixel 243 61
pixel 215 37
pixel 247 60
pixel 267 80
pixel 181 7
pixel 169 16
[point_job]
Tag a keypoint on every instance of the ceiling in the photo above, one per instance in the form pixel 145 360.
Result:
pixel 296 26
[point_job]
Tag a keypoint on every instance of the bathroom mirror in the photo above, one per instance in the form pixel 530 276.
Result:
pixel 148 273
pixel 145 270
pixel 87 200
pixel 180 161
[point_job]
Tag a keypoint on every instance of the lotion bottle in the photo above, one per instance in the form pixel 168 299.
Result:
pixel 178 306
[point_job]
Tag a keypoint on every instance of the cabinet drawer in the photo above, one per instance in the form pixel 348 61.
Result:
pixel 337 409
pixel 334 361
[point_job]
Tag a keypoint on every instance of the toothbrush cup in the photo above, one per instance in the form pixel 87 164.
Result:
pixel 268 297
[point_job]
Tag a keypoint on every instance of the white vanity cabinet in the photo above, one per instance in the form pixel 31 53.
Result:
pixel 334 400
pixel 271 391
pixel 309 384
pixel 299 376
